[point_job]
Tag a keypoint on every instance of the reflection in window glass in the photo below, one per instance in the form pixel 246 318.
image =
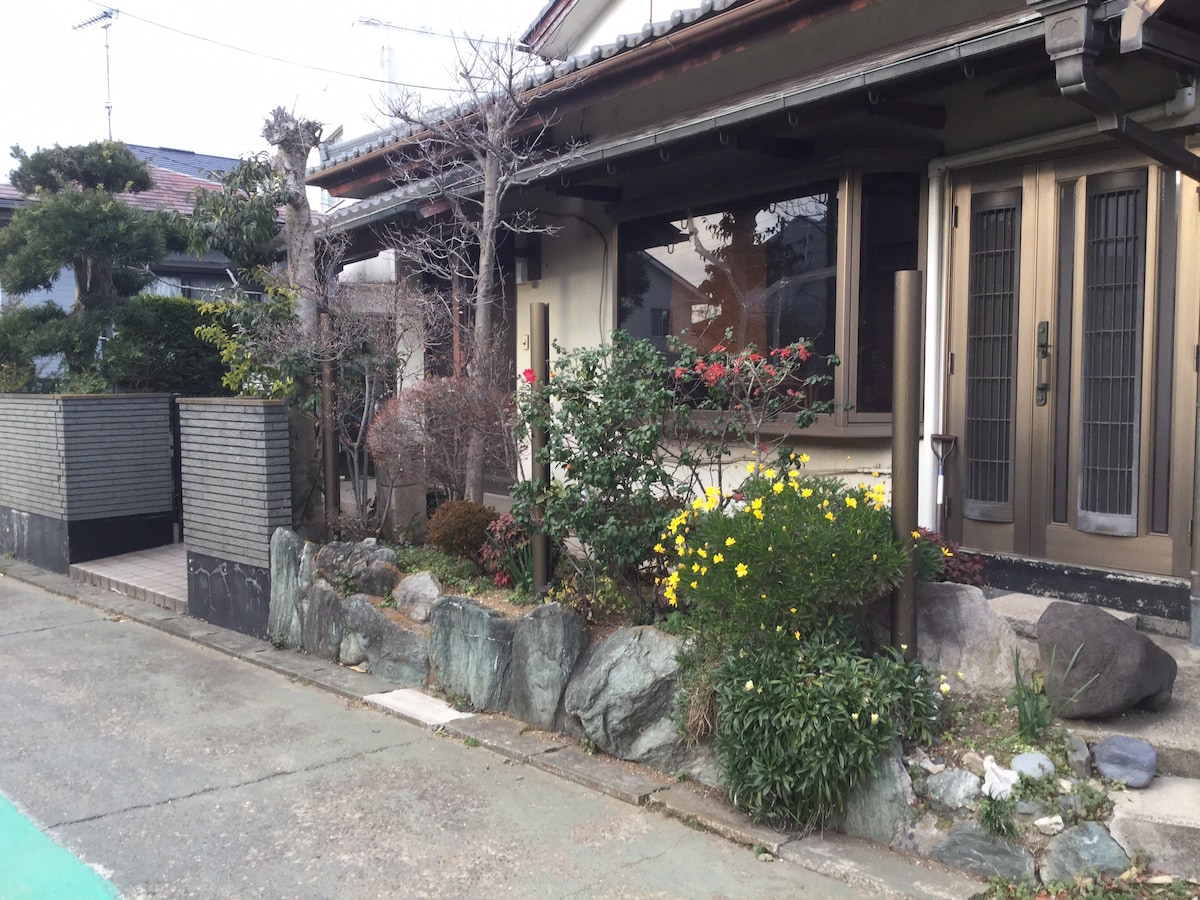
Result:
pixel 765 271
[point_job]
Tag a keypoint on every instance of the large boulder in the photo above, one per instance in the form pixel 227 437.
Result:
pixel 546 645
pixel 394 653
pixel 957 632
pixel 1085 849
pixel 361 568
pixel 622 696
pixel 283 614
pixel 321 622
pixel 1116 667
pixel 470 651
pixel 882 807
pixel 416 594
pixel 968 847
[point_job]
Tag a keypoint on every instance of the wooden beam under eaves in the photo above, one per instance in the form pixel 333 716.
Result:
pixel 601 193
pixel 923 115
pixel 773 145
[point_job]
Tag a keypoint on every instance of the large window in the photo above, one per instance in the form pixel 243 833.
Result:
pixel 765 271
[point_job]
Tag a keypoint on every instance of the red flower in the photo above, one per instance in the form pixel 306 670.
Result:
pixel 720 348
pixel 680 372
pixel 803 354
pixel 755 357
pixel 529 376
pixel 784 352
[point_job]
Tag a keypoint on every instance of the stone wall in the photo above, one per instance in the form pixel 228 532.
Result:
pixel 236 492
pixel 82 477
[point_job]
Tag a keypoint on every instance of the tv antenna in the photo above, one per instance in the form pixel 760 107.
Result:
pixel 104 20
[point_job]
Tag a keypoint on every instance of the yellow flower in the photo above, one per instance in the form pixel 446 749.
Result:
pixel 945 688
pixel 778 629
pixel 769 474
pixel 750 467
pixel 718 558
pixel 695 584
pixel 749 685
pixel 797 635
pixel 793 474
pixel 916 534
pixel 702 553
pixel 875 474
pixel 854 716
pixel 806 493
pixel 756 503
pixel 874 557
pixel 695 567
pixel 704 570
pixel 946 552
pixel 829 516
pixel 874 718
pixel 825 502
pixel 679 540
pixel 758 514
pixel 803 457
pixel 851 502
pixel 793 608
pixel 659 548
pixel 742 570
pixel 777 487
pixel 730 541
pixel 698 503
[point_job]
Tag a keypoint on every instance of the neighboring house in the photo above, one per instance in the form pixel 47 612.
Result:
pixel 1033 159
pixel 177 174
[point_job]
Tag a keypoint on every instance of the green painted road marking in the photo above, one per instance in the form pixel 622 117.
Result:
pixel 33 867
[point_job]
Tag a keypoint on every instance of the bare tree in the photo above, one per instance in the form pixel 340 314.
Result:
pixel 465 160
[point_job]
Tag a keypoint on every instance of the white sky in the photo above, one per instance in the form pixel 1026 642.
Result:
pixel 171 88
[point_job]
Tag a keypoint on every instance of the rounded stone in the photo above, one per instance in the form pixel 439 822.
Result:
pixel 1033 765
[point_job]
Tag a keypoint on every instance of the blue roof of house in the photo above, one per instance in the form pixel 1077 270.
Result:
pixel 185 162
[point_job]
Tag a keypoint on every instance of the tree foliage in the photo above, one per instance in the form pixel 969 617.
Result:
pixel 75 218
pixel 241 220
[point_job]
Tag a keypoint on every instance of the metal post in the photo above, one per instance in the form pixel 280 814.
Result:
pixel 1195 591
pixel 906 416
pixel 539 348
pixel 328 443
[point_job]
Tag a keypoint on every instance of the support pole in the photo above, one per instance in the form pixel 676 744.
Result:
pixel 333 500
pixel 906 419
pixel 539 348
pixel 1195 590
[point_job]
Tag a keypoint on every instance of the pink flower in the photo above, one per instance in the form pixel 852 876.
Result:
pixel 529 376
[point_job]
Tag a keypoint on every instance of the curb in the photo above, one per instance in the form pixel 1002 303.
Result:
pixel 858 865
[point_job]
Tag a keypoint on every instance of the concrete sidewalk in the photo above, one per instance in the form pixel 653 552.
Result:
pixel 869 869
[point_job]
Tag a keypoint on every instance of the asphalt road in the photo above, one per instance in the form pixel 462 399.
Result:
pixel 176 771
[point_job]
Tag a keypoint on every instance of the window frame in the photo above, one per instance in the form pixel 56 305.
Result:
pixel 849 177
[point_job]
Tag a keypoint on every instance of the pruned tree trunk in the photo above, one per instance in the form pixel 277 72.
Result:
pixel 294 139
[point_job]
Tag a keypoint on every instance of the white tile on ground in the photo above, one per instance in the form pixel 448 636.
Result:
pixel 416 707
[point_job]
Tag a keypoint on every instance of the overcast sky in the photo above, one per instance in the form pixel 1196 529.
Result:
pixel 178 81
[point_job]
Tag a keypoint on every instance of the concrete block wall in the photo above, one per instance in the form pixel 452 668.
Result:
pixel 236 477
pixel 82 477
pixel 237 490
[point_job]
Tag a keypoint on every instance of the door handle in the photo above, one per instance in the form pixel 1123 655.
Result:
pixel 1043 353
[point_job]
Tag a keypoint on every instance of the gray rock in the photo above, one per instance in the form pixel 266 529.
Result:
pixel 1084 849
pixel 622 695
pixel 1050 825
pixel 1030 808
pixel 953 790
pixel 394 653
pixel 470 651
pixel 381 555
pixel 1126 759
pixel 546 645
pixel 377 579
pixel 1116 668
pixel 957 631
pixel 352 652
pixel 881 808
pixel 321 622
pixel 1033 765
pixel 969 847
pixel 416 595
pixel 283 614
pixel 1079 757
pixel 973 763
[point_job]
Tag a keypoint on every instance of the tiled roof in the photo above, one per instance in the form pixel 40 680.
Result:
pixel 336 154
pixel 185 162
pixel 171 190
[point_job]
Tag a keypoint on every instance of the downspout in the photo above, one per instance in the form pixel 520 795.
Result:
pixel 1073 40
pixel 932 414
pixel 1195 583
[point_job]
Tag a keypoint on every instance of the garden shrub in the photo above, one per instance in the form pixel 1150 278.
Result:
pixel 957 565
pixel 459 528
pixel 802 720
pixel 785 550
pixel 604 411
pixel 507 555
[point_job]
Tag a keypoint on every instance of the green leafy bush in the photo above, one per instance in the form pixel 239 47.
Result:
pixel 786 550
pixel 453 572
pixel 604 411
pixel 801 721
pixel 459 527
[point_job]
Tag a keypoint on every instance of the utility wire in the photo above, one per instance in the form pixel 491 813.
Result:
pixel 278 59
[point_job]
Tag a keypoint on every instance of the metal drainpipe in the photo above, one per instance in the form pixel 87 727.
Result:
pixel 1195 589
